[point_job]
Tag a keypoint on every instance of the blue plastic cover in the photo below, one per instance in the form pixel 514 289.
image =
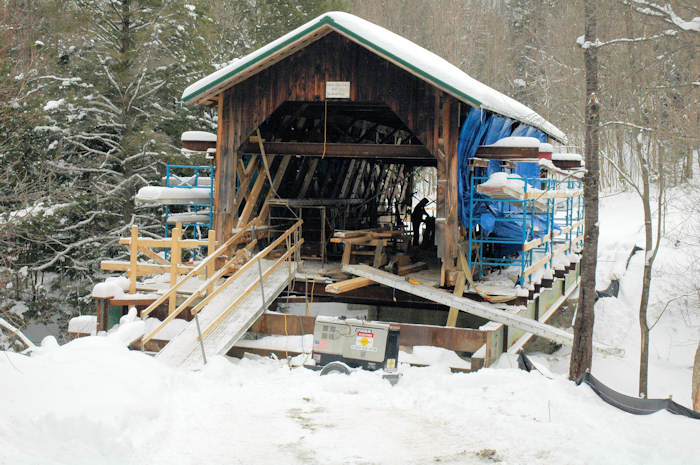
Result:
pixel 483 128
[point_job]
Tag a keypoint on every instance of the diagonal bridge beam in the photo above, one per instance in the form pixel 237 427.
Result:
pixel 466 305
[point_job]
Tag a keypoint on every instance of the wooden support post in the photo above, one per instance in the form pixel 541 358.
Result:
pixel 347 252
pixel 378 254
pixel 211 247
pixel 102 314
pixel 133 256
pixel 175 258
pixel 253 195
pixel 279 175
pixel 459 290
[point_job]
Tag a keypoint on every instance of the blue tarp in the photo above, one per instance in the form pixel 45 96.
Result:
pixel 482 128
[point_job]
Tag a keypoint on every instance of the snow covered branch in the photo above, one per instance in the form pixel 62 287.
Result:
pixel 580 40
pixel 666 13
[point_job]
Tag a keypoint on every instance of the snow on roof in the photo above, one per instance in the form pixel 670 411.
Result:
pixel 198 136
pixel 399 50
pixel 545 147
pixel 567 157
pixel 159 195
pixel 516 141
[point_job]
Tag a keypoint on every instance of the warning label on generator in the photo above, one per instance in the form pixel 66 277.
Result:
pixel 364 340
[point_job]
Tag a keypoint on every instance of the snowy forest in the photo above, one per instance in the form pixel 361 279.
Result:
pixel 91 111
pixel 90 106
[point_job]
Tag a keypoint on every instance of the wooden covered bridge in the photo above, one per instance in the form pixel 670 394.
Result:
pixel 318 139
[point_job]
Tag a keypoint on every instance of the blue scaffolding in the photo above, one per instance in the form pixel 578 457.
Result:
pixel 521 228
pixel 200 215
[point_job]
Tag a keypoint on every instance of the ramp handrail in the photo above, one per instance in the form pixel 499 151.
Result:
pixel 198 269
pixel 290 250
pixel 231 279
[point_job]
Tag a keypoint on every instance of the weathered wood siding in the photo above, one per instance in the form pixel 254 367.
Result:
pixel 302 77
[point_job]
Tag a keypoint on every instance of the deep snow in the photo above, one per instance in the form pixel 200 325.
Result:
pixel 93 401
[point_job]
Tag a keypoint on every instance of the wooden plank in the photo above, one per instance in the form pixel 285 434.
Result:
pixel 253 197
pixel 379 255
pixel 341 150
pixel 164 243
pixel 142 269
pixel 153 256
pixel 459 291
pixel 503 153
pixel 250 288
pixel 358 178
pixel 349 176
pixel 276 181
pixel 544 260
pixel 133 257
pixel 479 309
pixel 211 247
pixel 175 258
pixel 457 339
pixel 348 285
pixel 200 267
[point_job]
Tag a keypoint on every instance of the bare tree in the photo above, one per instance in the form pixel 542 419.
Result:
pixel 582 350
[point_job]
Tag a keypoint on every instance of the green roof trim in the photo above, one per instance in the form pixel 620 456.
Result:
pixel 327 20
pixel 399 51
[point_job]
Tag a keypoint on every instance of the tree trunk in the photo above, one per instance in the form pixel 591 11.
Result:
pixel 695 386
pixel 582 351
pixel 646 281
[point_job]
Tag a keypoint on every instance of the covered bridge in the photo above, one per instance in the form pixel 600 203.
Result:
pixel 345 109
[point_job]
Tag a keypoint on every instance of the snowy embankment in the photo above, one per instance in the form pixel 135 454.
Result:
pixel 93 401
pixel 675 286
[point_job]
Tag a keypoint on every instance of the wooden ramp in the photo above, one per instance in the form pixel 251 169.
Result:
pixel 231 299
pixel 228 316
pixel 480 309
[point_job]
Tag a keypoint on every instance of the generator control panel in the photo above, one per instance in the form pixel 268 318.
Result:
pixel 367 344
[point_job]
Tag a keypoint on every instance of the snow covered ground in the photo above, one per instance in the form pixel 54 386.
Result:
pixel 93 401
pixel 676 282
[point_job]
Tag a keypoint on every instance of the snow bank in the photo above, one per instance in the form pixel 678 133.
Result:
pixel 107 404
pixel 86 324
pixel 111 287
pixel 433 356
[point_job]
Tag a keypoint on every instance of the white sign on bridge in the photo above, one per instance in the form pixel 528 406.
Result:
pixel 337 89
